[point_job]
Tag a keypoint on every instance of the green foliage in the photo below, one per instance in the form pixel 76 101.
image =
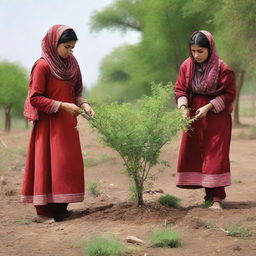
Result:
pixel 101 246
pixel 165 238
pixel 238 231
pixel 138 131
pixel 169 200
pixel 164 27
pixel 93 189
pixel 13 85
pixel 122 15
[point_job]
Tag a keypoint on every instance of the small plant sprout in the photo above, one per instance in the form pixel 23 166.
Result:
pixel 93 189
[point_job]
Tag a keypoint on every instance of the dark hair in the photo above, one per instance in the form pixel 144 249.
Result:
pixel 67 36
pixel 200 39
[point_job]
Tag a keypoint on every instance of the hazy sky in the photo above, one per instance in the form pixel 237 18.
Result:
pixel 23 24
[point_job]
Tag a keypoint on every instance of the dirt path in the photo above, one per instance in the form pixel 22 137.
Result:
pixel 20 236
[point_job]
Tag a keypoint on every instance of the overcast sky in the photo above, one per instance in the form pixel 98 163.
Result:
pixel 23 24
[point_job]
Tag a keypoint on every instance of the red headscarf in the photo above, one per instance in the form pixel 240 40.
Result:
pixel 63 69
pixel 211 66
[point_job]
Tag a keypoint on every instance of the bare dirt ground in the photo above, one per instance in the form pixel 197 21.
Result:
pixel 20 236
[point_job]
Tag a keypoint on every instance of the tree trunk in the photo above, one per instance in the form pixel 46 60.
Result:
pixel 7 111
pixel 139 190
pixel 239 84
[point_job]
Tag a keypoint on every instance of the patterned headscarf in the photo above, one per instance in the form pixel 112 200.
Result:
pixel 211 67
pixel 63 69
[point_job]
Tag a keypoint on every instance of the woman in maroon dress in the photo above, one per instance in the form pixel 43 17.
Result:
pixel 54 173
pixel 205 88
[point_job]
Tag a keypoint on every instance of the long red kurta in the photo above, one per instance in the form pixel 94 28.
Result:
pixel 54 170
pixel 204 150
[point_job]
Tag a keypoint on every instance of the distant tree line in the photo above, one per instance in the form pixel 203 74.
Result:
pixel 164 27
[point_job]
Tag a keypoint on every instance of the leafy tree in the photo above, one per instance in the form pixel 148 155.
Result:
pixel 165 27
pixel 13 87
pixel 138 132
pixel 157 57
pixel 235 26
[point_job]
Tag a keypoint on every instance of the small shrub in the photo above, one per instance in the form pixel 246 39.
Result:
pixel 101 246
pixel 138 131
pixel 93 189
pixel 165 238
pixel 237 231
pixel 168 200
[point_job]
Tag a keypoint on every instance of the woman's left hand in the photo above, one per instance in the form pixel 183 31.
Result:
pixel 202 112
pixel 87 108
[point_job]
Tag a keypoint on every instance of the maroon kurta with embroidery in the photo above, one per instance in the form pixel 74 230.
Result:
pixel 204 151
pixel 54 170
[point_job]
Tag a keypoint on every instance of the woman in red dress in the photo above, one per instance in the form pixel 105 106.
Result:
pixel 54 173
pixel 205 89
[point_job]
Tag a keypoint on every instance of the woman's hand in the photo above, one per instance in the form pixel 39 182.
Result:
pixel 87 108
pixel 71 108
pixel 202 112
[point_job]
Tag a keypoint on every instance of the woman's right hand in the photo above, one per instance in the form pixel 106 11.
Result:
pixel 71 108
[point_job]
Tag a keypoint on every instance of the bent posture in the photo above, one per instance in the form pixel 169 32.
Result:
pixel 54 172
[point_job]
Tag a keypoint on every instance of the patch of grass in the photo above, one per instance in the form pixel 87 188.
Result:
pixel 169 200
pixel 237 181
pixel 165 238
pixel 207 204
pixel 237 231
pixel 93 189
pixel 23 221
pixel 104 246
pixel 89 161
pixel 207 224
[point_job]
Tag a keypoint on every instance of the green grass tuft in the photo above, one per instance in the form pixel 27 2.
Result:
pixel 237 231
pixel 93 189
pixel 168 200
pixel 104 246
pixel 165 238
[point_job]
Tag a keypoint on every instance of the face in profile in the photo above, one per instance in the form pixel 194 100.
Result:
pixel 64 50
pixel 199 53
